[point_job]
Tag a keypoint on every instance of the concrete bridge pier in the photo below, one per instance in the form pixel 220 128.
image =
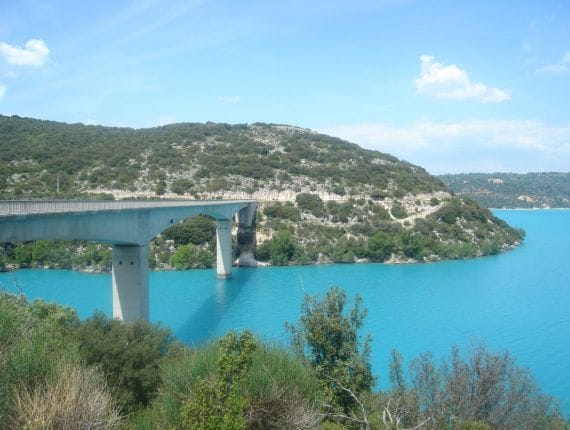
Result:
pixel 224 248
pixel 130 282
pixel 246 237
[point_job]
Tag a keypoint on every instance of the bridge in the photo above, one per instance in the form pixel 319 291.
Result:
pixel 128 226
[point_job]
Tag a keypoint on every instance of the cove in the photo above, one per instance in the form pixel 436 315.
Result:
pixel 518 301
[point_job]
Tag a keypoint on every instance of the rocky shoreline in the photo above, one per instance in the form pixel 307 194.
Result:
pixel 393 260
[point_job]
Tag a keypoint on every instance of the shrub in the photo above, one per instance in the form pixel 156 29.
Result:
pixel 398 211
pixel 181 186
pixel 311 203
pixel 197 230
pixel 327 337
pixel 282 248
pixel 77 398
pixel 130 355
pixel 286 211
pixel 215 403
pixel 32 342
pixel 434 201
pixel 190 256
pixel 281 392
pixel 380 246
pixel 480 391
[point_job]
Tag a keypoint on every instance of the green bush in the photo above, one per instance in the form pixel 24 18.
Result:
pixel 190 256
pixel 327 337
pixel 279 389
pixel 398 211
pixel 216 403
pixel 286 211
pixel 311 203
pixel 129 354
pixel 282 248
pixel 32 342
pixel 380 246
pixel 197 230
pixel 181 186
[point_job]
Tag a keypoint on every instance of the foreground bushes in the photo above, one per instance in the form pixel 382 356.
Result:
pixel 57 372
pixel 77 398
pixel 130 356
pixel 43 381
pixel 265 382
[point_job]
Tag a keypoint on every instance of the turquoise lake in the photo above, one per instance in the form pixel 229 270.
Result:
pixel 518 301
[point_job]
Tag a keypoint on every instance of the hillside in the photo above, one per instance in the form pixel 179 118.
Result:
pixel 512 190
pixel 322 199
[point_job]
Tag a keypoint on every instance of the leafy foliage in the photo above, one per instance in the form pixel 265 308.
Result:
pixel 240 382
pixel 190 256
pixel 282 248
pixel 477 391
pixel 327 337
pixel 216 404
pixel 197 230
pixel 43 380
pixel 130 355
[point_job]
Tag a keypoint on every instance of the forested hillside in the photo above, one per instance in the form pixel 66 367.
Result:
pixel 513 190
pixel 322 199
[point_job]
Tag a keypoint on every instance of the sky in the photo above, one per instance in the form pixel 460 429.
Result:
pixel 453 86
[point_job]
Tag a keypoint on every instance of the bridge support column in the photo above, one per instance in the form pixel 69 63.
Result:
pixel 130 282
pixel 246 237
pixel 224 248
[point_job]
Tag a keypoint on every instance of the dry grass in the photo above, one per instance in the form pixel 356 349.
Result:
pixel 77 399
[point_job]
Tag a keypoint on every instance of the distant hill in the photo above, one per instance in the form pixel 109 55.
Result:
pixel 322 199
pixel 513 190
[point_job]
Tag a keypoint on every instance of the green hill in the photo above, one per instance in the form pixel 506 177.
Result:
pixel 322 199
pixel 513 190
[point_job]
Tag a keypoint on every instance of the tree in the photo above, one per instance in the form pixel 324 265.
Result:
pixel 327 336
pixel 23 254
pixel 216 403
pixel 311 203
pixel 130 355
pixel 197 230
pixel 282 248
pixel 380 246
pixel 479 391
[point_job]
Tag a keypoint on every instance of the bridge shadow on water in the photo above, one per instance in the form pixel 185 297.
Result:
pixel 202 323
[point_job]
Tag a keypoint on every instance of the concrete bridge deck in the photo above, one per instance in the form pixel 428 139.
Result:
pixel 128 226
pixel 29 207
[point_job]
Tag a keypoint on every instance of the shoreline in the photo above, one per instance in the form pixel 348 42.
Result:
pixel 393 261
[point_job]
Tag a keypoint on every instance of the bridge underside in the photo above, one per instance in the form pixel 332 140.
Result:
pixel 129 231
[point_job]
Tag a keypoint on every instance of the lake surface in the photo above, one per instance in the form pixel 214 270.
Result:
pixel 519 300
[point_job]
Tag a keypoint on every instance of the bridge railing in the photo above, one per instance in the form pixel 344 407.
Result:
pixel 25 207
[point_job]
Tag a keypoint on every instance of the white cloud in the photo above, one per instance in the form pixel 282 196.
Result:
pixel 526 47
pixel 34 54
pixel 2 92
pixel 468 146
pixel 229 99
pixel 553 69
pixel 451 82
pixel 560 68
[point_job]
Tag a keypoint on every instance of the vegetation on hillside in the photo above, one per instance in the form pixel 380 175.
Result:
pixel 513 190
pixel 322 199
pixel 59 372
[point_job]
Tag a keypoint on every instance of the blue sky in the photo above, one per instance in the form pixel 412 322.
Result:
pixel 450 85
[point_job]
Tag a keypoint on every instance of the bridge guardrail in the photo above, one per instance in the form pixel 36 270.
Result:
pixel 26 207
